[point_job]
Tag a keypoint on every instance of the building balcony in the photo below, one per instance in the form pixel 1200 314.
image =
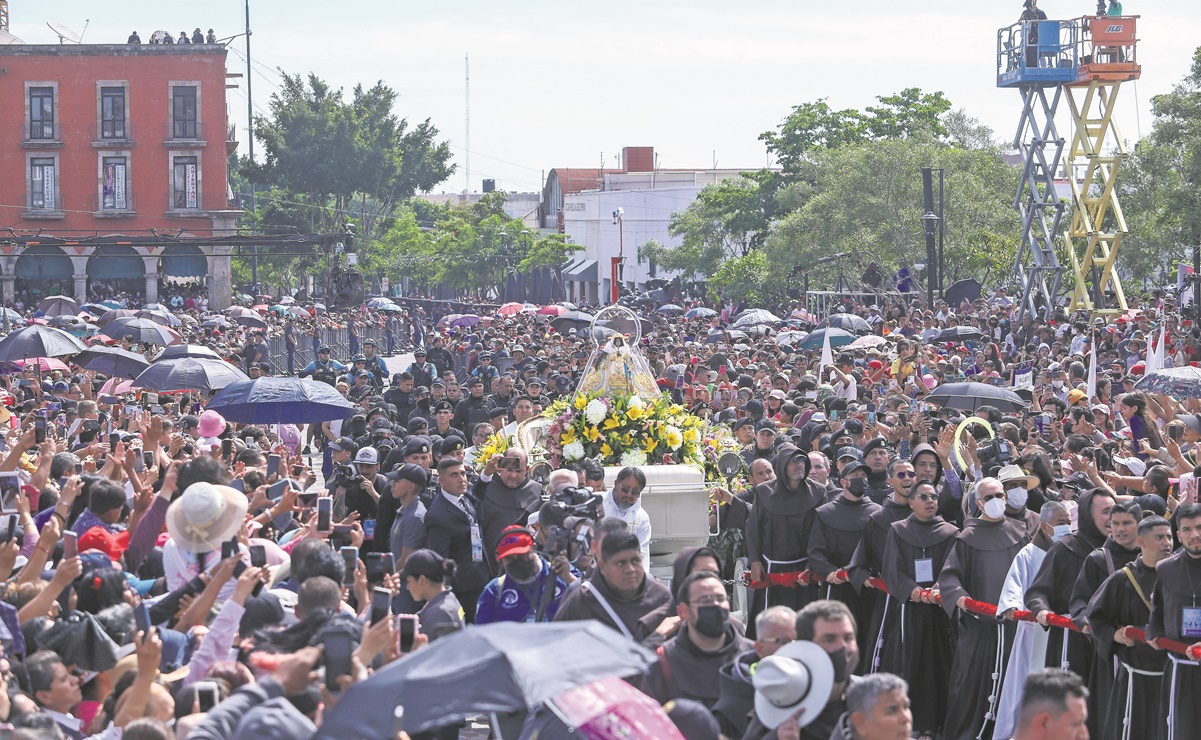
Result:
pixel 113 135
pixel 42 214
pixel 177 211
pixel 185 135
pixel 99 210
pixel 231 139
pixel 29 141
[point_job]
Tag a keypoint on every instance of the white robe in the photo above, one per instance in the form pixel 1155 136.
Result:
pixel 1029 643
pixel 639 521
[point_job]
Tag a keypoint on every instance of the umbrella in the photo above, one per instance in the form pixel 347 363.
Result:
pixel 1179 382
pixel 513 666
pixel 755 316
pixel 110 304
pixel 847 321
pixel 116 313
pixel 117 387
pixel 377 301
pixel 279 308
pixel 163 318
pixel 280 401
pixel 700 312
pixel 319 307
pixel 445 320
pixel 235 311
pixel 12 314
pixel 791 338
pixel 142 331
pixel 959 334
pixel 177 351
pixel 186 373
pixel 95 309
pixel 386 308
pixel 261 308
pixel 38 341
pixel 867 342
pixel 572 320
pixel 73 325
pixel 59 305
pixel 611 708
pixel 156 307
pixel 81 640
pixel 255 322
pixel 726 336
pixel 669 308
pixel 817 338
pixel 289 300
pixel 297 311
pixel 553 310
pixel 963 289
pixel 218 321
pixel 971 396
pixel 467 319
pixel 716 360
pixel 510 309
pixel 43 364
pixel 112 361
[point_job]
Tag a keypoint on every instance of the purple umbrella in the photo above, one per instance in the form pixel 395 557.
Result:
pixel 467 319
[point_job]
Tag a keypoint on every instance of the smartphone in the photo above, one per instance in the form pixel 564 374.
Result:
pixel 227 448
pixel 296 470
pixel 78 468
pixel 70 545
pixel 350 558
pixel 148 459
pixel 139 464
pixel 158 410
pixel 206 694
pixel 39 429
pixel 11 530
pixel 272 466
pixel 681 381
pixel 109 400
pixel 834 416
pixel 721 370
pixel 381 604
pixel 258 556
pixel 53 408
pixel 113 440
pixel 308 499
pixel 229 548
pixel 1176 433
pixel 379 564
pixel 141 615
pixel 871 418
pixel 337 656
pixel 406 631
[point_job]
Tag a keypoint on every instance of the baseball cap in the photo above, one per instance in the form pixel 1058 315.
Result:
pixel 514 540
pixel 417 446
pixel 367 456
pixel 343 443
pixel 410 472
pixel 453 443
pixel 417 422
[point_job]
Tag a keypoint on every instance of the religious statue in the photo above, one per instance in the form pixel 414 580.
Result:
pixel 618 368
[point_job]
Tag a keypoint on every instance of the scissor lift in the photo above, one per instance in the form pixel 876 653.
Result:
pixel 1108 57
pixel 1038 58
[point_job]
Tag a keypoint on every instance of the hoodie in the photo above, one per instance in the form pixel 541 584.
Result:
pixel 637 518
pixel 680 570
pixel 782 516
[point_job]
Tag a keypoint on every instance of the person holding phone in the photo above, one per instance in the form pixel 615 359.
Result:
pixel 426 575
pixel 198 522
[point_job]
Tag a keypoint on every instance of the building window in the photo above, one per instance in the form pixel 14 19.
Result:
pixel 41 113
pixel 41 183
pixel 115 196
pixel 112 113
pixel 183 112
pixel 185 185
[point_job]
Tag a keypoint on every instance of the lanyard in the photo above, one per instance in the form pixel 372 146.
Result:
pixel 1189 573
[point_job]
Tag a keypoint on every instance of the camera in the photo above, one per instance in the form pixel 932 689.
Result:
pixel 579 502
pixel 994 455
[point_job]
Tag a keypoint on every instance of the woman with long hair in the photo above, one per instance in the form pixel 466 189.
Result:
pixel 1133 409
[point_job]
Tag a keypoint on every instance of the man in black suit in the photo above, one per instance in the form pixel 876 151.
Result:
pixel 452 530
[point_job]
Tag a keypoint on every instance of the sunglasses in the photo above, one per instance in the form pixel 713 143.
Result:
pixel 986 499
pixel 906 474
pixel 926 496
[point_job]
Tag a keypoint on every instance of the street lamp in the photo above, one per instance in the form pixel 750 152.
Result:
pixel 618 262
pixel 933 269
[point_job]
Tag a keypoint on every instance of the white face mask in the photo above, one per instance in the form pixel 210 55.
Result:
pixel 1060 531
pixel 994 508
pixel 1056 384
pixel 1017 497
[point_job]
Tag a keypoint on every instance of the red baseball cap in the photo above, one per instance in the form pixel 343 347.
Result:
pixel 99 538
pixel 514 540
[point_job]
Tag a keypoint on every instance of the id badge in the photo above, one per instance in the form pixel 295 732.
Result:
pixel 923 570
pixel 368 529
pixel 1190 621
pixel 477 544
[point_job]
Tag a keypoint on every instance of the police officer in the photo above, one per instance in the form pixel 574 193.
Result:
pixel 323 369
pixel 473 409
pixel 375 363
pixel 443 413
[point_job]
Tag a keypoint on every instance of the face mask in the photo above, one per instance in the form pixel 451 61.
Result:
pixel 712 620
pixel 841 670
pixel 1017 497
pixel 523 569
pixel 1060 531
pixel 994 508
pixel 1056 384
pixel 857 486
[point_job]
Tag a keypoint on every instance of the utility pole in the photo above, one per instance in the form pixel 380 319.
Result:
pixel 254 248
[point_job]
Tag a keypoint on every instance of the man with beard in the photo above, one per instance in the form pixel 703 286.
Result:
pixel 690 663
pixel 619 592
pixel 506 497
pixel 774 627
pixel 976 569
pixel 624 501
pixel 735 510
pixel 783 510
pixel 877 455
pixel 838 528
pixel 473 409
pixel 868 561
pixel 1052 587
pixel 919 648
pixel 1030 640
pixel 1176 615
pixel 1122 602
pixel 528 590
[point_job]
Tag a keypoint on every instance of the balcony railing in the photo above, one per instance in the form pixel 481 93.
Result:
pixel 31 136
pixel 186 134
pixel 113 134
pixel 99 210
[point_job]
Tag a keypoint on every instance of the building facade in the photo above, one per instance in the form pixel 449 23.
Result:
pixel 113 152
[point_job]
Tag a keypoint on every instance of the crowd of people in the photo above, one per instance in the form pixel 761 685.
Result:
pixel 915 565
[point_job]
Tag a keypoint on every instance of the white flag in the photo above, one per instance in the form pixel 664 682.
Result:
pixel 827 359
pixel 1023 377
pixel 1092 371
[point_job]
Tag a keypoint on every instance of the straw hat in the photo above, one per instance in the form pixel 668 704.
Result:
pixel 205 516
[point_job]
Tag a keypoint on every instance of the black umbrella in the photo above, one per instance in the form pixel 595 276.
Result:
pixel 959 334
pixel 513 667
pixel 272 400
pixel 753 317
pixel 189 373
pixel 38 341
pixel 716 360
pixel 113 314
pixel 111 361
pixel 176 351
pixel 572 320
pixel 963 289
pixel 80 640
pixel 726 336
pixel 142 331
pixel 971 396
pixel 255 321
pixel 59 305
pixel 848 322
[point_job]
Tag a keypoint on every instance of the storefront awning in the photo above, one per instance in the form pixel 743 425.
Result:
pixel 581 272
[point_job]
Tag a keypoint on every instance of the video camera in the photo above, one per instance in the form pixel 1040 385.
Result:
pixel 994 455
pixel 579 502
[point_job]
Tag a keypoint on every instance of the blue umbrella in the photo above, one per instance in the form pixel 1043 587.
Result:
pixel 38 341
pixel 838 337
pixel 669 308
pixel 700 312
pixel 110 304
pixel 280 401
pixel 190 372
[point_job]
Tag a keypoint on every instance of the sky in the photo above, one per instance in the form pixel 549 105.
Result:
pixel 565 84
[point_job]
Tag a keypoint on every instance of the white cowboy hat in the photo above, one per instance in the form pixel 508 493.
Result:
pixel 799 676
pixel 1013 474
pixel 205 516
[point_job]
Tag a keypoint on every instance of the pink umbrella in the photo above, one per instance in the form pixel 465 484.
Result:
pixel 509 309
pixel 552 310
pixel 117 387
pixel 611 709
pixel 261 308
pixel 45 364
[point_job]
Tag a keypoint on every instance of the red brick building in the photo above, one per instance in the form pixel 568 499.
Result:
pixel 110 142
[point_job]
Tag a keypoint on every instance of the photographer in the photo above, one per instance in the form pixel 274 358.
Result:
pixel 506 496
pixel 528 591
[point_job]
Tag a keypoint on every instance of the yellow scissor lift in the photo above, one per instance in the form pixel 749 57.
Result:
pixel 1107 59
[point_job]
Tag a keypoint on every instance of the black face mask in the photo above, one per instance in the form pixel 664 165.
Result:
pixel 712 620
pixel 857 487
pixel 523 569
pixel 841 670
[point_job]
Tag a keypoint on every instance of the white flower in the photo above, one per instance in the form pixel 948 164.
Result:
pixel 573 450
pixel 673 436
pixel 596 411
pixel 636 401
pixel 633 458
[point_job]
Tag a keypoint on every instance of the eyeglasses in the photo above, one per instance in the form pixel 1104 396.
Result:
pixel 926 496
pixel 711 600
pixel 906 474
pixel 986 499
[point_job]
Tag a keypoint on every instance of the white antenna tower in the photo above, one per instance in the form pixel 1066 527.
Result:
pixel 467 75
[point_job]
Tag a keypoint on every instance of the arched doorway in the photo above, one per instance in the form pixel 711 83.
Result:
pixel 183 273
pixel 114 269
pixel 43 270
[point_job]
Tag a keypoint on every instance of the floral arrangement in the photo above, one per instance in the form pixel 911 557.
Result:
pixel 624 430
pixel 718 440
pixel 496 445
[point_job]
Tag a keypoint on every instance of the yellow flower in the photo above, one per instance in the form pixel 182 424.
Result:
pixel 627 439
pixel 568 436
pixel 649 444
pixel 635 413
pixel 580 402
pixel 591 433
pixel 691 435
pixel 611 423
pixel 606 450
pixel 673 439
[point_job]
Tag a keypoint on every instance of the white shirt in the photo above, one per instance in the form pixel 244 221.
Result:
pixel 639 521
